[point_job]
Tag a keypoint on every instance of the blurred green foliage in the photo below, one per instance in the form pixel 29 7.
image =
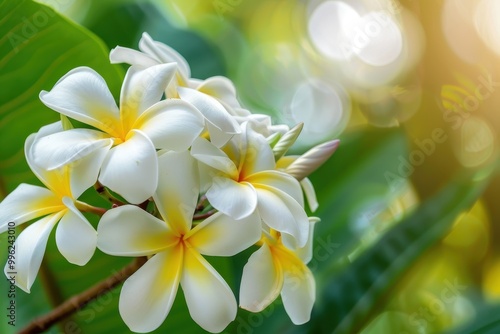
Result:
pixel 371 234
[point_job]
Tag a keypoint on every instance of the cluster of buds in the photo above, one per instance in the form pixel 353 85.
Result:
pixel 188 172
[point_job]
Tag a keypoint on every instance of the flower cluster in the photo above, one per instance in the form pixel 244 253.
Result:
pixel 189 173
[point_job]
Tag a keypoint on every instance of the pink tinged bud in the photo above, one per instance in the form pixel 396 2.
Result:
pixel 312 159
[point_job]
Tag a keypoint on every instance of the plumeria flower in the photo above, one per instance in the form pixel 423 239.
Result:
pixel 274 269
pixel 75 238
pixel 245 179
pixel 175 249
pixel 214 97
pixel 141 125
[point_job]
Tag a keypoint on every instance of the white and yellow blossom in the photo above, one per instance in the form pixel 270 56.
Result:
pixel 244 180
pixel 141 125
pixel 214 97
pixel 75 238
pixel 275 269
pixel 175 249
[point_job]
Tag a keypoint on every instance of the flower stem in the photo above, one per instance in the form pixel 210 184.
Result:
pixel 89 208
pixel 104 192
pixel 76 302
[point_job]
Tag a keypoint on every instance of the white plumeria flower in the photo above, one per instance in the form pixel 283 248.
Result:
pixel 245 180
pixel 214 97
pixel 75 238
pixel 275 269
pixel 176 250
pixel 302 166
pixel 141 125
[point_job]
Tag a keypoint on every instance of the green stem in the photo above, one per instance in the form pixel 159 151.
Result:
pixel 104 192
pixel 90 208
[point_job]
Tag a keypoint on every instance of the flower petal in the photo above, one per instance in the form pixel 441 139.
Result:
pixel 257 154
pixel 212 156
pixel 27 202
pixel 147 296
pixel 82 94
pixel 298 294
pixel 221 88
pixel 218 137
pixel 310 193
pixel 83 173
pixel 210 301
pixel 280 181
pixel 139 233
pixel 221 235
pixel 213 111
pixel 163 53
pixel 131 168
pixel 143 87
pixel 59 149
pixel 282 213
pixel 76 239
pixel 261 281
pixel 235 199
pixel 306 253
pixel 30 248
pixel 130 56
pixel 178 189
pixel 171 124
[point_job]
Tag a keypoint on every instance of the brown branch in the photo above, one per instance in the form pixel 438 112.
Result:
pixel 76 302
pixel 204 215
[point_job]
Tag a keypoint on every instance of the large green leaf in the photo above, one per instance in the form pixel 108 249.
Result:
pixel 37 48
pixel 351 297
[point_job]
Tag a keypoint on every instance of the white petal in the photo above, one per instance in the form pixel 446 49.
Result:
pixel 213 111
pixel 212 156
pixel 29 250
pixel 143 87
pixel 84 172
pixel 218 137
pixel 27 202
pixel 282 213
pixel 298 294
pixel 237 200
pixel 178 189
pixel 261 281
pixel 163 53
pixel 82 94
pixel 131 57
pixel 306 253
pixel 130 231
pixel 221 88
pixel 310 193
pixel 280 181
pixel 59 149
pixel 147 296
pixel 312 159
pixel 257 154
pixel 210 301
pixel 221 235
pixel 76 239
pixel 131 168
pixel 171 124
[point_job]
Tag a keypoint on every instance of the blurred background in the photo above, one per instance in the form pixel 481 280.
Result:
pixel 408 241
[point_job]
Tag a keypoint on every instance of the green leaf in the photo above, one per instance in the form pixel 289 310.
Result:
pixel 353 295
pixel 36 49
pixel 487 321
